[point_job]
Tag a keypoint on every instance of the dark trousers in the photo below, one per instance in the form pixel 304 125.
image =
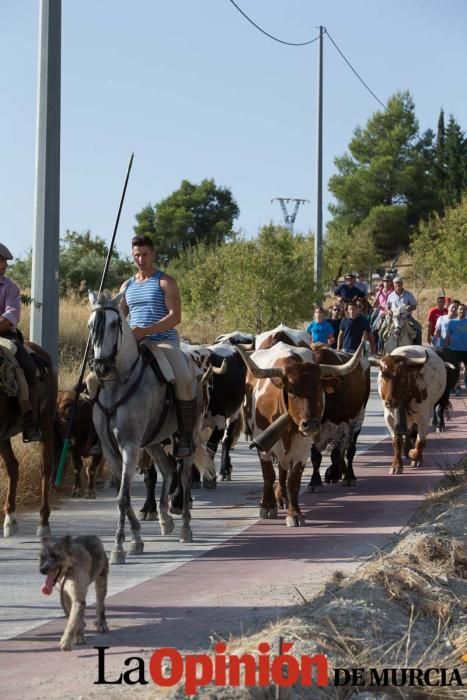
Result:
pixel 24 358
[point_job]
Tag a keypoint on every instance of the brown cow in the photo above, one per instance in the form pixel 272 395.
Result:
pixel 83 437
pixel 410 382
pixel 287 381
pixel 342 420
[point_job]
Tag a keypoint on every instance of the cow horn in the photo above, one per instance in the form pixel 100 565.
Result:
pixel 342 370
pixel 420 361
pixel 259 372
pixel 220 370
pixel 246 346
pixel 448 365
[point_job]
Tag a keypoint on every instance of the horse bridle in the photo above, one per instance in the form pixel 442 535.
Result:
pixel 110 361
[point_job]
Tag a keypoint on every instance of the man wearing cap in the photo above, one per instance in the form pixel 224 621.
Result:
pixel 401 296
pixel 10 310
pixel 349 290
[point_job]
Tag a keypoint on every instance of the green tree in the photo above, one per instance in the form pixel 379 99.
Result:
pixel 388 165
pixel 249 284
pixel 455 182
pixel 81 263
pixel 438 247
pixel 192 214
pixel 82 260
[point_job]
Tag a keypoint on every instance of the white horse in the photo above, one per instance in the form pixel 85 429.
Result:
pixel 135 409
pixel 398 332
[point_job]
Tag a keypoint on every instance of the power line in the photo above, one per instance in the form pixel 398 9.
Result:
pixel 354 71
pixel 288 43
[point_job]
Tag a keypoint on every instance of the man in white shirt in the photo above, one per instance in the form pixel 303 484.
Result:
pixel 401 296
pixel 441 325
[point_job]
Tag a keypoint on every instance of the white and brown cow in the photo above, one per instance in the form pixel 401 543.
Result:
pixel 410 381
pixel 286 381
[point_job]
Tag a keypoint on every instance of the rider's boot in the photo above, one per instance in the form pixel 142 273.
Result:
pixel 186 414
pixel 31 429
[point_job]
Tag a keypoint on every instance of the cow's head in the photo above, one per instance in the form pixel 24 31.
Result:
pixel 398 379
pixel 304 385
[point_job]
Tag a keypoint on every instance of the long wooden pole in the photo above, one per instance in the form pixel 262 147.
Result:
pixel 66 444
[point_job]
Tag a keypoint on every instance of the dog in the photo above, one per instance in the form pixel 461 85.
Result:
pixel 74 563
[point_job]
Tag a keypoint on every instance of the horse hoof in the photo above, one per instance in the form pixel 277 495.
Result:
pixel 295 520
pixel 167 527
pixel 229 477
pixel 272 513
pixel 210 483
pixel 10 528
pixel 90 495
pixel 396 469
pixel 223 477
pixel 76 492
pixel 186 535
pixel 263 513
pixel 101 626
pixel 43 531
pixel 174 509
pixel 142 515
pixel 136 547
pixel 152 515
pixel 117 556
pixel 196 485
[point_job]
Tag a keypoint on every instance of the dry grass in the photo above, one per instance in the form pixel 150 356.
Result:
pixel 403 609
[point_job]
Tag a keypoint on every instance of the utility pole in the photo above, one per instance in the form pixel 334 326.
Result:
pixel 319 170
pixel 289 218
pixel 44 320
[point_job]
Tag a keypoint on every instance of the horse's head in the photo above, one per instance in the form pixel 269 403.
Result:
pixel 105 325
pixel 399 319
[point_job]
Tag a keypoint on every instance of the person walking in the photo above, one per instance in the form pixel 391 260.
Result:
pixel 320 329
pixel 353 330
pixel 456 339
pixel 335 321
pixel 439 335
pixel 433 314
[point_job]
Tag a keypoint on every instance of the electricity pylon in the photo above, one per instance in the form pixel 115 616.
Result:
pixel 289 218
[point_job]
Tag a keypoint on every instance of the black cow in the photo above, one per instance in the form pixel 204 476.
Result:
pixel 452 376
pixel 226 394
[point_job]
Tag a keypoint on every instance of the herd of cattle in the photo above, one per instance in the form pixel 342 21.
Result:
pixel 295 400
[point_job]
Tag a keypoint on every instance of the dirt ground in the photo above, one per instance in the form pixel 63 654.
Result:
pixel 405 608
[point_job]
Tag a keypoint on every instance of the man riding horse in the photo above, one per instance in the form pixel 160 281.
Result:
pixel 402 297
pixel 151 300
pixel 10 310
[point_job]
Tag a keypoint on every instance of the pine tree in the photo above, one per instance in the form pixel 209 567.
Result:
pixel 456 163
pixel 440 154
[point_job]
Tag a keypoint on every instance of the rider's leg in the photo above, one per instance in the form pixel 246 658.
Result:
pixel 31 429
pixel 418 331
pixel 185 395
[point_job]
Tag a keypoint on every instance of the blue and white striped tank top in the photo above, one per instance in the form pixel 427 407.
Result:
pixel 146 303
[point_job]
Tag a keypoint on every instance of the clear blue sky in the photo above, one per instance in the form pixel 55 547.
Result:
pixel 195 91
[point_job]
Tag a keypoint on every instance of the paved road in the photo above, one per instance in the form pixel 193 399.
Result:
pixel 238 573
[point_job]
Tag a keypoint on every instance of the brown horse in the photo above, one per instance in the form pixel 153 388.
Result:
pixel 10 425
